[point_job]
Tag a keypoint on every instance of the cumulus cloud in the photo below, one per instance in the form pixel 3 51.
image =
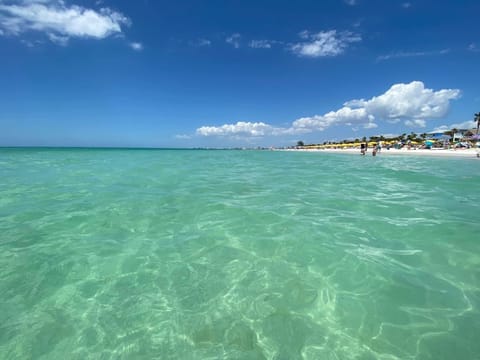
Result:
pixel 346 116
pixel 234 40
pixel 241 128
pixel 412 103
pixel 247 130
pixel 324 43
pixel 406 101
pixel 59 21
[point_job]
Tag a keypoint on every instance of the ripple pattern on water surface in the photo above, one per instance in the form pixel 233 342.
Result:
pixel 137 254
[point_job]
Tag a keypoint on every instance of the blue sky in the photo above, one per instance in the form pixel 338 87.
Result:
pixel 234 73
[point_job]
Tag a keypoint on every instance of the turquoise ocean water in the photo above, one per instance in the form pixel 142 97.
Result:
pixel 178 254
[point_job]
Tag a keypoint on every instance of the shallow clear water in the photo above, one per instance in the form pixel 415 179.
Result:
pixel 170 254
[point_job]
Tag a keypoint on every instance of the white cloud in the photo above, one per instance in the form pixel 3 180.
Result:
pixel 248 129
pixel 420 123
pixel 136 46
pixel 60 21
pixel 58 39
pixel 469 124
pixel 412 103
pixel 234 40
pixel 324 43
pixel 406 54
pixel 344 116
pixel 260 44
pixel 370 125
pixel 408 101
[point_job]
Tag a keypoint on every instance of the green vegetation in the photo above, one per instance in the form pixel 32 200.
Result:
pixel 477 120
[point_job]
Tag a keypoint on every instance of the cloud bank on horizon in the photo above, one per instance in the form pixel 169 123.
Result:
pixel 59 21
pixel 412 103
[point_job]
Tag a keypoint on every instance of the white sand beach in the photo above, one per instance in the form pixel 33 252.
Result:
pixel 471 153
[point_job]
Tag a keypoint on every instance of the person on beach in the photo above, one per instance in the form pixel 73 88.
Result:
pixel 362 149
pixel 374 150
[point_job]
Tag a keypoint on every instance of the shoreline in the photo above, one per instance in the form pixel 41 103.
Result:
pixel 463 153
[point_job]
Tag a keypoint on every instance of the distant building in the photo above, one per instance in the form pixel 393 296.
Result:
pixel 437 135
pixel 459 135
